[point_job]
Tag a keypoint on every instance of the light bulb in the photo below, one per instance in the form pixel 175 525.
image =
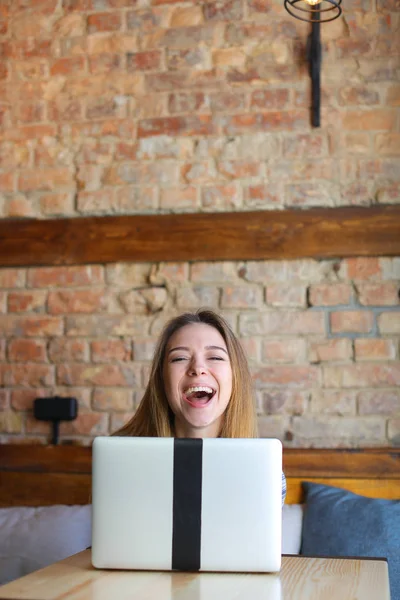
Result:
pixel 313 2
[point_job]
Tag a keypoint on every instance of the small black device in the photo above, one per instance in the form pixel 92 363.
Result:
pixel 55 409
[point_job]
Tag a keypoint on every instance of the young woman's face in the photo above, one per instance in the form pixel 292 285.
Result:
pixel 197 379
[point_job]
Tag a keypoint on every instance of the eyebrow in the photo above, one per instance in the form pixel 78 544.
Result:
pixel 207 348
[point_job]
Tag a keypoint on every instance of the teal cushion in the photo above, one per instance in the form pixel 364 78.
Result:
pixel 339 523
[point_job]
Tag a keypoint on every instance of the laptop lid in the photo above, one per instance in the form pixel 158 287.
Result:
pixel 188 504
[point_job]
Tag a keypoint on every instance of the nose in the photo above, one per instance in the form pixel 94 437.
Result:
pixel 196 367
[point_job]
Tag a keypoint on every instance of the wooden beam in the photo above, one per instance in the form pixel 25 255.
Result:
pixel 289 234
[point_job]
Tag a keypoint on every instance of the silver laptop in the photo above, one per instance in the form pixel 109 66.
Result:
pixel 187 504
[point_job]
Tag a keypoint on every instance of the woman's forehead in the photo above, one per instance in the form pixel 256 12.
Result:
pixel 196 334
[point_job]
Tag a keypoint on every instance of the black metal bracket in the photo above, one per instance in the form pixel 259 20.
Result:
pixel 314 56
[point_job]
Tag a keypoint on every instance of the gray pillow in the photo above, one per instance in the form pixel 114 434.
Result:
pixel 32 538
pixel 339 523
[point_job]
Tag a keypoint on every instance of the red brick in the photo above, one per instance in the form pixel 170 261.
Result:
pixel 370 120
pixel 57 204
pixel 269 121
pixel 224 10
pixel 263 195
pixel 389 322
pixel 77 301
pixel 31 326
pixel 348 47
pixel 191 125
pixel 182 102
pixel 361 269
pixel 373 349
pixel 178 197
pixel 11 422
pixel 86 423
pixel 239 169
pixel 113 399
pixel 218 197
pixel 44 179
pixel 12 278
pixel 29 48
pixel 111 43
pixel 100 375
pixel 29 375
pixel 7 182
pixel 278 98
pixel 330 294
pixel 300 145
pixel 30 112
pixel 357 95
pixel 144 61
pixel 132 199
pixel 105 325
pixel 4 400
pixel 187 58
pixel 30 132
pixel 147 20
pixel 68 350
pixel 193 297
pixel 378 402
pixel 293 376
pixel 311 194
pixel 362 376
pixel 286 295
pixel 393 95
pixel 330 350
pixel 74 65
pixel 282 402
pixel 251 347
pixel 20 350
pixel 387 144
pixel 357 143
pixel 287 351
pixel 199 173
pixel 186 16
pixel 102 108
pixel 333 402
pixel 107 21
pixel 65 276
pixel 125 275
pixel 338 431
pixel 282 323
pixel 351 321
pixel 143 349
pixel 120 128
pixel 388 194
pixel 104 63
pixel 88 5
pixel 120 419
pixel 104 351
pixel 30 301
pixel 204 272
pixel 241 297
pixel 82 394
pixel 379 294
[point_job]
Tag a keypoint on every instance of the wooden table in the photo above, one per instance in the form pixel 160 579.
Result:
pixel 301 578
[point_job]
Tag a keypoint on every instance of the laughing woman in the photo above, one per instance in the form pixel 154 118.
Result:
pixel 199 385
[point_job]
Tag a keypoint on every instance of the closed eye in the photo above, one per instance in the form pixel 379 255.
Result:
pixel 178 359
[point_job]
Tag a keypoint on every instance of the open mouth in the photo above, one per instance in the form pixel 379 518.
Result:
pixel 198 395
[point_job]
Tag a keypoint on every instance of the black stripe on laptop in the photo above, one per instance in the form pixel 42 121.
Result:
pixel 186 525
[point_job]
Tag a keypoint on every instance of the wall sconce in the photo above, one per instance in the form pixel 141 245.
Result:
pixel 314 12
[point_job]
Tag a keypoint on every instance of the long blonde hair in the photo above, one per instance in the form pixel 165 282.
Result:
pixel 154 418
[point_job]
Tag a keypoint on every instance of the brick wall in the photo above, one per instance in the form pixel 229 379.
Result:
pixel 117 107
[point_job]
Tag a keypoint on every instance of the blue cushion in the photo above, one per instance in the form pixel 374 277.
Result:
pixel 339 523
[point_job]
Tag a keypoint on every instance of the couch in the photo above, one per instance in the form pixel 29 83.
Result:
pixel 339 503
